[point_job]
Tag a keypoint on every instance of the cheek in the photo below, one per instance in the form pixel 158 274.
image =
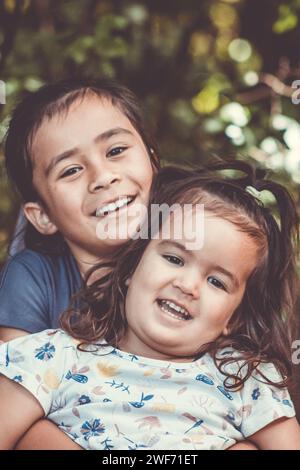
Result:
pixel 143 173
pixel 226 311
pixel 63 199
pixel 144 283
pixel 63 209
pixel 219 310
pixel 64 212
pixel 134 303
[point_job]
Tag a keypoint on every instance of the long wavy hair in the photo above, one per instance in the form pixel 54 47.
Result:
pixel 259 329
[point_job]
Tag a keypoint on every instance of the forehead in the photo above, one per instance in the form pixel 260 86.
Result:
pixel 78 126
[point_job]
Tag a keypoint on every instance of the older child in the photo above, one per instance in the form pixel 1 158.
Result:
pixel 76 151
pixel 180 347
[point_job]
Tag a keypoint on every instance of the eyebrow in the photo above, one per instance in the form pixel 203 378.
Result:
pixel 227 273
pixel 99 138
pixel 173 243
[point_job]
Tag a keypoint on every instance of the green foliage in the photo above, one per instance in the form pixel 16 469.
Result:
pixel 214 76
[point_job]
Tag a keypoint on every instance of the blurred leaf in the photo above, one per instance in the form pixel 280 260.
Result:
pixel 33 83
pixel 79 48
pixel 235 113
pixel 207 100
pixel 287 20
pixel 200 44
pixel 10 5
pixel 136 13
pixel 182 111
pixel 223 16
pixel 240 50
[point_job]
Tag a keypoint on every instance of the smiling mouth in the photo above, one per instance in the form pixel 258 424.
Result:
pixel 123 201
pixel 173 309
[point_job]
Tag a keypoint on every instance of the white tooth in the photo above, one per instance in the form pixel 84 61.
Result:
pixel 120 203
pixel 173 306
pixel 177 308
pixel 112 207
pixel 166 303
pixel 102 210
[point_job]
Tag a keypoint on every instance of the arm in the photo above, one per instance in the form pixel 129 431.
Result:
pixel 44 435
pixel 7 334
pixel 28 394
pixel 19 410
pixel 282 434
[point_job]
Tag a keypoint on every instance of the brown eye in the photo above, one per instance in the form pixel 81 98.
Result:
pixel 174 260
pixel 71 171
pixel 216 283
pixel 116 151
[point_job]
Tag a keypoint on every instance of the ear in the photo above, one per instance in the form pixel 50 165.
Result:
pixel 37 216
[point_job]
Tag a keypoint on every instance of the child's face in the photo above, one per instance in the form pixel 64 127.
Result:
pixel 207 283
pixel 84 160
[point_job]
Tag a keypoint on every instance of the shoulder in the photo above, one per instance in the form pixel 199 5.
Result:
pixel 56 337
pixel 230 363
pixel 25 266
pixel 45 345
pixel 26 259
pixel 36 288
pixel 34 264
pixel 38 363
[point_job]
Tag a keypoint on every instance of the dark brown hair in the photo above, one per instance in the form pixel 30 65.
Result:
pixel 49 101
pixel 259 328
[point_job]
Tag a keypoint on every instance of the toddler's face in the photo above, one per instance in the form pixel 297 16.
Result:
pixel 179 299
pixel 84 160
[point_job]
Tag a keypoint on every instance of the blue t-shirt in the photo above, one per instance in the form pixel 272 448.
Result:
pixel 35 289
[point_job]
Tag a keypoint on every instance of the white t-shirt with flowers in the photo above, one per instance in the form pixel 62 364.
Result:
pixel 107 399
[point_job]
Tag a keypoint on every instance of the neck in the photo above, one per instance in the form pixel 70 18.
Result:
pixel 86 261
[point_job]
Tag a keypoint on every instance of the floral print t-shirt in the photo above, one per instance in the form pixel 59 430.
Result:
pixel 108 399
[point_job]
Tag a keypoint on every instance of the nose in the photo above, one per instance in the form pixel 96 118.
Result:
pixel 189 285
pixel 102 177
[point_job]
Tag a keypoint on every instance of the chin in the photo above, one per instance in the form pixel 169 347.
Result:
pixel 169 348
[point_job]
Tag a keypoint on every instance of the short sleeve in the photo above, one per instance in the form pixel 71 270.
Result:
pixel 264 403
pixel 37 362
pixel 23 295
